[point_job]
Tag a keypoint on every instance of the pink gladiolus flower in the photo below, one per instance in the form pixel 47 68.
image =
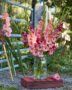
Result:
pixel 56 76
pixel 5 16
pixel 6 27
pixel 39 29
pixel 50 27
pixel 6 30
pixel 39 41
pixel 37 53
pixel 7 21
pixel 31 39
pixel 7 34
pixel 57 31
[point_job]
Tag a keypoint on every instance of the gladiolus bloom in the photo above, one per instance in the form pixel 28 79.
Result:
pixel 39 41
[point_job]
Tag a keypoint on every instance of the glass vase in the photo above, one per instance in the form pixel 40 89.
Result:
pixel 40 68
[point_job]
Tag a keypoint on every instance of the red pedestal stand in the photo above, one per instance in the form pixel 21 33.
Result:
pixel 30 83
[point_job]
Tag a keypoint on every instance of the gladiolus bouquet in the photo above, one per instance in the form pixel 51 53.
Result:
pixel 39 40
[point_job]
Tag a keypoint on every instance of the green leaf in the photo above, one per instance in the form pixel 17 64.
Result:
pixel 10 57
pixel 19 58
pixel 12 64
pixel 25 66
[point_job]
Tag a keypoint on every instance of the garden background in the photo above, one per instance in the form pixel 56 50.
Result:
pixel 61 60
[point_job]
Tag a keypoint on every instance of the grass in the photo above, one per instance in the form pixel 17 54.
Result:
pixel 14 88
pixel 7 88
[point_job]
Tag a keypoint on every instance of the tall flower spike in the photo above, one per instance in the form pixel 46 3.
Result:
pixel 58 31
pixel 6 27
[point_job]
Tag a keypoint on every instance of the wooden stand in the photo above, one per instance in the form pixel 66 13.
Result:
pixel 30 83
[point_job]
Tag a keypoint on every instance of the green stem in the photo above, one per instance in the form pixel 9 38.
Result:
pixel 3 6
pixel 44 17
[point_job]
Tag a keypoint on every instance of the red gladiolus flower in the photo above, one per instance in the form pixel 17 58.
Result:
pixel 24 38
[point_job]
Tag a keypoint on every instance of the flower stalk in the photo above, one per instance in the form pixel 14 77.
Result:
pixel 6 30
pixel 6 56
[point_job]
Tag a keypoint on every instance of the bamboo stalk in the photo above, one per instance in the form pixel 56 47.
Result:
pixel 8 63
pixel 7 58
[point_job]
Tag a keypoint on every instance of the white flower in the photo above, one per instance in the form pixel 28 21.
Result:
pixel 67 37
pixel 64 34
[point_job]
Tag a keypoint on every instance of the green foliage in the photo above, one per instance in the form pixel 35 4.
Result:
pixel 19 27
pixel 10 57
pixel 64 6
pixel 7 88
pixel 19 58
pixel 60 61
